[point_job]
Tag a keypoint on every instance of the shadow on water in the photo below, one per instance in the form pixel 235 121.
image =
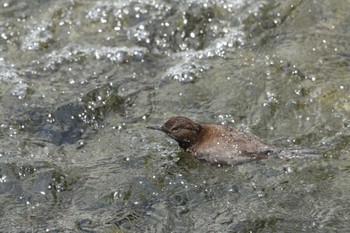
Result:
pixel 73 121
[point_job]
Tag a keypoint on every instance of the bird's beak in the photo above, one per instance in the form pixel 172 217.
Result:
pixel 155 127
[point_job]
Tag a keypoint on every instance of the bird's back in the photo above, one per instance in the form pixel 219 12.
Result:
pixel 219 144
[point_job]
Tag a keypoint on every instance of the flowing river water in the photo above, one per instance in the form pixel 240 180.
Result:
pixel 80 80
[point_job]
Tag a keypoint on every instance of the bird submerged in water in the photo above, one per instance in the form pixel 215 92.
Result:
pixel 219 144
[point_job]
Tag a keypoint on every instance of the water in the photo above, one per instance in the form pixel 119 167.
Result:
pixel 80 80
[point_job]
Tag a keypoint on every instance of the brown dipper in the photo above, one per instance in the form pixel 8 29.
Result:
pixel 219 144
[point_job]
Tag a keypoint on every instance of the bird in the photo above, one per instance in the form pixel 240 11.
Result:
pixel 221 144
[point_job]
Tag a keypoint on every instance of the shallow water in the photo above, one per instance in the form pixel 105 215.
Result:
pixel 80 80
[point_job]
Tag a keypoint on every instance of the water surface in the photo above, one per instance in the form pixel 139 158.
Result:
pixel 80 80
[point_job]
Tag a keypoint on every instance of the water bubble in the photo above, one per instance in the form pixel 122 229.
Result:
pixel 3 35
pixel 3 179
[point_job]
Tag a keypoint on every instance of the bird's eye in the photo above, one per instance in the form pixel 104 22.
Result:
pixel 175 129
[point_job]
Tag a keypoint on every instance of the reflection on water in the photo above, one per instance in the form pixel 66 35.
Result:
pixel 80 80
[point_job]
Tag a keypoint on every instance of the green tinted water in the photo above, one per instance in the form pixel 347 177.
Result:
pixel 80 80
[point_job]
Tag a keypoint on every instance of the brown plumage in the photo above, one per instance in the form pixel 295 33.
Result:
pixel 218 144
